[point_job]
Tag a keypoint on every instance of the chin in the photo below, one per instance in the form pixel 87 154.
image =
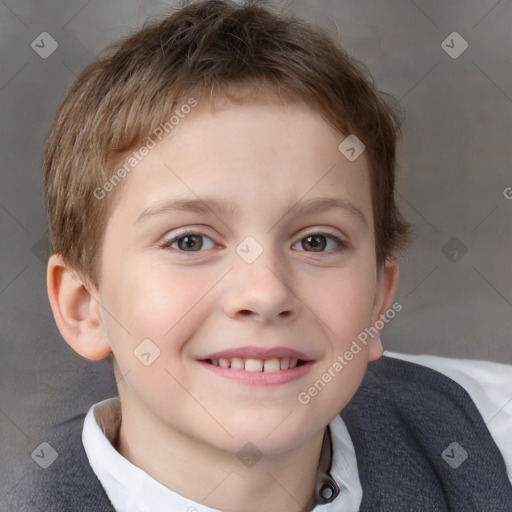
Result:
pixel 266 437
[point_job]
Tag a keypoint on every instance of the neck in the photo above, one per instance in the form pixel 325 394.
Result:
pixel 217 478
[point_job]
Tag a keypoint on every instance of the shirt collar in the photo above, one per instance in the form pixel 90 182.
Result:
pixel 131 489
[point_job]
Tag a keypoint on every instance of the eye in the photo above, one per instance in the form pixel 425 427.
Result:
pixel 190 242
pixel 318 242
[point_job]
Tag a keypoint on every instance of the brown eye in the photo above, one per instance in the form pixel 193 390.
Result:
pixel 315 243
pixel 318 242
pixel 190 242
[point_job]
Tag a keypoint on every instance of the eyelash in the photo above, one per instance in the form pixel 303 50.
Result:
pixel 342 245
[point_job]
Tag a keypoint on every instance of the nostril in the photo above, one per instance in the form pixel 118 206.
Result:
pixel 245 312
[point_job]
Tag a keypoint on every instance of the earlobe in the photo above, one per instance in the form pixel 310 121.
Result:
pixel 76 311
pixel 387 282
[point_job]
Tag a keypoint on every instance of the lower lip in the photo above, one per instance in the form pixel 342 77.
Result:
pixel 260 378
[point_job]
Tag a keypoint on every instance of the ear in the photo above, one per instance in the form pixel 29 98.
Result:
pixel 387 282
pixel 76 310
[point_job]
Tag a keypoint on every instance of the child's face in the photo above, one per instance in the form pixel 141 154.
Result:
pixel 305 296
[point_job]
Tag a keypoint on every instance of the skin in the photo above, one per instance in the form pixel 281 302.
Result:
pixel 181 423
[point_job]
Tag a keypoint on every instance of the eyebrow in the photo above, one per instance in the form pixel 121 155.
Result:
pixel 221 207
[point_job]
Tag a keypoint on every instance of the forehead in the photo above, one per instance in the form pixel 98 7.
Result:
pixel 255 157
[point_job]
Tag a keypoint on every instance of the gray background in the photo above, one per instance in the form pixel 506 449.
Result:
pixel 453 185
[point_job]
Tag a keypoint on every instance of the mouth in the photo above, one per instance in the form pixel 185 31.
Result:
pixel 274 364
pixel 256 366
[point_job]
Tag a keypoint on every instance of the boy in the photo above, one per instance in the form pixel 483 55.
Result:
pixel 220 190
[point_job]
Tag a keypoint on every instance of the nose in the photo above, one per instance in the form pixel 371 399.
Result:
pixel 261 291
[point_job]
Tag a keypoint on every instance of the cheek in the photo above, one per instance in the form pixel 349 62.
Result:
pixel 152 310
pixel 342 300
pixel 344 306
pixel 156 302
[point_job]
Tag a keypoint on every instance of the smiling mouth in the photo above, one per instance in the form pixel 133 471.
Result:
pixel 272 365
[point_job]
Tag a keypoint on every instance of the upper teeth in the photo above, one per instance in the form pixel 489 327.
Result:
pixel 256 365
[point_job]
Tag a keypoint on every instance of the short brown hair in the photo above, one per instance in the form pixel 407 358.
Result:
pixel 244 53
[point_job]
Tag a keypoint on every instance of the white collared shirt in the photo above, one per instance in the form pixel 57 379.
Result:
pixel 130 489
